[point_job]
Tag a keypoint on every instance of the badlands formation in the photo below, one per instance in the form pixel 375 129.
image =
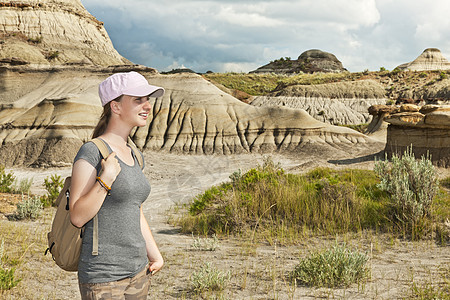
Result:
pixel 53 32
pixel 430 59
pixel 49 104
pixel 53 55
pixel 308 62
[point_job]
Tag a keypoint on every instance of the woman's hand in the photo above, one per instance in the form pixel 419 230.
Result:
pixel 155 266
pixel 110 169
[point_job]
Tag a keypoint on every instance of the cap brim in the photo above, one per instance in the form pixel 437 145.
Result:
pixel 145 90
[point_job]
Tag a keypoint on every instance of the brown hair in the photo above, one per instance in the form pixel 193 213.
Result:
pixel 104 119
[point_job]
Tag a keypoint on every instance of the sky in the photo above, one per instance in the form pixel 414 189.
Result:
pixel 240 36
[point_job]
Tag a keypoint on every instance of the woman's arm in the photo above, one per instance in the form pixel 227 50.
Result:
pixel 154 256
pixel 86 194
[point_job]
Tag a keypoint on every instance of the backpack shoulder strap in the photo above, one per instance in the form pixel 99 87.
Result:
pixel 101 145
pixel 136 152
pixel 104 151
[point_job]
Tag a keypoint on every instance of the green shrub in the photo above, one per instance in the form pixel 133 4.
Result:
pixel 52 55
pixel 30 208
pixel 396 71
pixel 334 267
pixel 7 280
pixel 411 184
pixel 423 75
pixel 36 40
pixel 443 75
pixel 53 185
pixel 6 180
pixel 208 278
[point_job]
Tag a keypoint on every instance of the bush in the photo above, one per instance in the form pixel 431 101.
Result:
pixel 208 278
pixel 30 208
pixel 6 180
pixel 7 280
pixel 53 185
pixel 334 267
pixel 411 184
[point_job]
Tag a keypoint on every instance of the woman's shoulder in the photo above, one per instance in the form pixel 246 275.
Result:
pixel 89 152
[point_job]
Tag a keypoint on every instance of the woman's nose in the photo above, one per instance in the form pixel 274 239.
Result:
pixel 147 105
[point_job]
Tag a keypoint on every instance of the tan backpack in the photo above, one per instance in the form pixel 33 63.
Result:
pixel 64 239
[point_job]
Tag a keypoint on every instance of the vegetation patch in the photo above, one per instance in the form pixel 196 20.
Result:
pixel 334 267
pixel 412 185
pixel 268 204
pixel 208 279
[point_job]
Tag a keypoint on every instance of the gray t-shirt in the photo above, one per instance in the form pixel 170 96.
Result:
pixel 121 246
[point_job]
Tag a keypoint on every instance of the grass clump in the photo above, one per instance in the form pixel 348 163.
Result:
pixel 334 267
pixel 412 185
pixel 205 244
pixel 357 127
pixel 208 278
pixel 252 84
pixel 435 287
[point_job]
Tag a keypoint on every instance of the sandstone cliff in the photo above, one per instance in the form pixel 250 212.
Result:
pixel 426 129
pixel 52 32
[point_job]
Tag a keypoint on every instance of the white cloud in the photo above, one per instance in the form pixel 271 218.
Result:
pixel 243 35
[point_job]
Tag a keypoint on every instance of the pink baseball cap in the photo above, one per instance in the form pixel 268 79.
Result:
pixel 130 83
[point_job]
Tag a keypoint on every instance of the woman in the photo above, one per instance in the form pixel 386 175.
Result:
pixel 114 189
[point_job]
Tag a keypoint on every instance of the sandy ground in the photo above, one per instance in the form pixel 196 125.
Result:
pixel 257 271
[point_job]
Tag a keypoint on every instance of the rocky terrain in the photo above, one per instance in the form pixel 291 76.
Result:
pixel 46 125
pixel 309 61
pixel 333 103
pixel 53 32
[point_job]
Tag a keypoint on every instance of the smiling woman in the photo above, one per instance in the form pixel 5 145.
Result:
pixel 112 189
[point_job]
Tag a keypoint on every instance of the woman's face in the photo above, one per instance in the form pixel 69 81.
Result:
pixel 134 110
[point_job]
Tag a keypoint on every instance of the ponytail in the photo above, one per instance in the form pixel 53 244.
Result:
pixel 104 119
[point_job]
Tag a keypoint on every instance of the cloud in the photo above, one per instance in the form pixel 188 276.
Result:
pixel 231 35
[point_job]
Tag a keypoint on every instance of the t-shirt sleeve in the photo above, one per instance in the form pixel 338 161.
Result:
pixel 90 153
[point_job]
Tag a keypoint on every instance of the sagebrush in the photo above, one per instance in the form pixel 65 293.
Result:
pixel 412 185
pixel 28 208
pixel 209 278
pixel 334 267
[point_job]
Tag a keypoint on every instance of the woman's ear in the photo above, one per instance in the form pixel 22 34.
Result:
pixel 115 107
